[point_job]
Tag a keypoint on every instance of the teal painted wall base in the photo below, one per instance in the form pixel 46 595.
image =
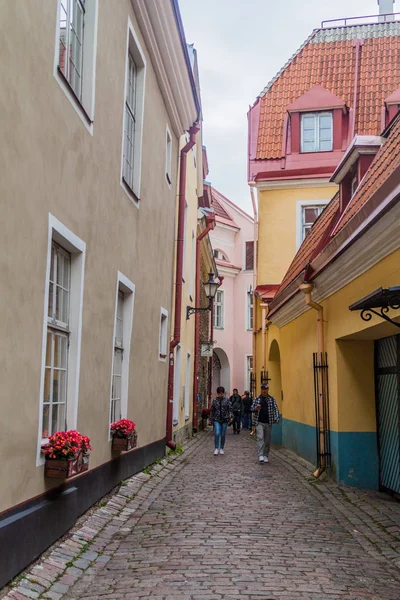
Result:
pixel 354 455
pixel 277 433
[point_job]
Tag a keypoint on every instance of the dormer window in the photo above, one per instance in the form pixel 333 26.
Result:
pixel 316 132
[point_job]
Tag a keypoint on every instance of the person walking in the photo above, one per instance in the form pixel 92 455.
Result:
pixel 237 409
pixel 220 415
pixel 246 416
pixel 265 414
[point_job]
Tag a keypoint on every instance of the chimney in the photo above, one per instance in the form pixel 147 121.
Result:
pixel 385 8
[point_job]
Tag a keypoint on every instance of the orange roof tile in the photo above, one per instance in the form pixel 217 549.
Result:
pixel 386 161
pixel 312 242
pixel 327 58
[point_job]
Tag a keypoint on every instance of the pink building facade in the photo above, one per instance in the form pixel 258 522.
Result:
pixel 232 241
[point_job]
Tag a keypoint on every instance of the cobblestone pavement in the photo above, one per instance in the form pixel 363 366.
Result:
pixel 204 527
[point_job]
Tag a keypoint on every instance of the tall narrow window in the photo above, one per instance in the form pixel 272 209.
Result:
pixel 163 337
pixel 187 386
pixel 184 262
pixel 192 266
pixel 219 310
pixel 54 409
pixel 177 385
pixel 249 368
pixel 72 21
pixel 249 312
pixel 116 388
pixel 316 132
pixel 168 157
pixel 309 216
pixel 130 117
pixel 249 256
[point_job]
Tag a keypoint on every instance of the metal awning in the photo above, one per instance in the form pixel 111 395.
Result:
pixel 382 299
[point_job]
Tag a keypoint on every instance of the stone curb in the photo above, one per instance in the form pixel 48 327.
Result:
pixel 61 566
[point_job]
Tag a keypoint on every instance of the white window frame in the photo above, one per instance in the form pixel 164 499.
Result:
pixel 247 372
pixel 134 49
pixel 163 336
pixel 76 247
pixel 125 286
pixel 317 131
pixel 184 261
pixel 187 386
pixel 192 266
pixel 83 103
pixel 300 205
pixel 219 293
pixel 177 384
pixel 168 157
pixel 249 311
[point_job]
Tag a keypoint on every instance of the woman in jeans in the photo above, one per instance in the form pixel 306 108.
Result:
pixel 220 415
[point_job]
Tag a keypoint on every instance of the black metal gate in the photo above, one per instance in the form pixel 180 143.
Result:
pixel 321 395
pixel 387 380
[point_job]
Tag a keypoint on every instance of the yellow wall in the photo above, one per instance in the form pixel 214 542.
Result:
pixel 350 348
pixel 277 228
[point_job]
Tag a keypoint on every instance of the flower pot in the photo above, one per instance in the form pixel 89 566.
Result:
pixel 62 469
pixel 124 444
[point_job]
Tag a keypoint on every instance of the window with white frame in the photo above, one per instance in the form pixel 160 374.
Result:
pixel 309 215
pixel 121 348
pixel 249 312
pixel 54 413
pixel 62 332
pixel 184 262
pixel 177 385
pixel 192 266
pixel 76 51
pixel 316 132
pixel 220 255
pixel 133 115
pixel 249 368
pixel 163 337
pixel 219 310
pixel 187 386
pixel 168 156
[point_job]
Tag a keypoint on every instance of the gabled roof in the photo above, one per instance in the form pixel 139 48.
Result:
pixel 328 225
pixel 328 58
pixel 317 98
pixel 221 212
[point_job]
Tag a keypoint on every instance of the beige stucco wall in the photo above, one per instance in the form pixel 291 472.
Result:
pixel 51 164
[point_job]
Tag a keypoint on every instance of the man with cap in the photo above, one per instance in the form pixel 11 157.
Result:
pixel 265 413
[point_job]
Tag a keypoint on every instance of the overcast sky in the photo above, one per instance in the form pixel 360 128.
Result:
pixel 241 45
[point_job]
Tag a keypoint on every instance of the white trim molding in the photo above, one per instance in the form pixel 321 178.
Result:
pixel 284 184
pixel 59 233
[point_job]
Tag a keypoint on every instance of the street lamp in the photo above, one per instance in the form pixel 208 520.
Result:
pixel 210 288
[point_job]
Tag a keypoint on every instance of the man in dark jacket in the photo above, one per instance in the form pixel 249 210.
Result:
pixel 237 409
pixel 246 417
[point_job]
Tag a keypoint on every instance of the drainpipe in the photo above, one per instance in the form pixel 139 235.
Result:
pixel 254 204
pixel 211 339
pixel 306 288
pixel 210 224
pixel 178 280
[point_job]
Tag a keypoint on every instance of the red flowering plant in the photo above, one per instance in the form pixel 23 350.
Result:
pixel 205 413
pixel 123 428
pixel 64 445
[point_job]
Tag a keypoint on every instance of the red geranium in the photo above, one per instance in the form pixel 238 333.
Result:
pixel 205 413
pixel 123 428
pixel 63 445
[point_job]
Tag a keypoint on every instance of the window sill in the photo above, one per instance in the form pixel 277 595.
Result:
pixel 315 151
pixel 74 96
pixel 162 358
pixel 130 191
pixel 175 422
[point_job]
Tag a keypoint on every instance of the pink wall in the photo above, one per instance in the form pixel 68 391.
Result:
pixel 234 339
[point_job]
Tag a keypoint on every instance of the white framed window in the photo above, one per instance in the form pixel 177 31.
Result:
pixel 307 211
pixel 187 386
pixel 133 116
pixel 177 385
pixel 220 254
pixel 75 55
pixel 168 157
pixel 192 266
pixel 316 132
pixel 249 312
pixel 184 261
pixel 219 310
pixel 163 335
pixel 248 370
pixel 123 319
pixel 62 331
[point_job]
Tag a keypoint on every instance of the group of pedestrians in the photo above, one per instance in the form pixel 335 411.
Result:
pixel 243 412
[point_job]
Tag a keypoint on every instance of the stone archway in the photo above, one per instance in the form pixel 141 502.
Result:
pixel 221 370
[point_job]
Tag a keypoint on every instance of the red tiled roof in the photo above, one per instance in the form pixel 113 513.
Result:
pixel 267 292
pixel 386 161
pixel 220 210
pixel 328 58
pixel 312 242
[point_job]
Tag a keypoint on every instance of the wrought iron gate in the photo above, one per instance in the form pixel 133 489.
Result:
pixel 387 379
pixel 321 395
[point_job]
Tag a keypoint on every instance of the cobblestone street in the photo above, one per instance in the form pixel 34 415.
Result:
pixel 201 527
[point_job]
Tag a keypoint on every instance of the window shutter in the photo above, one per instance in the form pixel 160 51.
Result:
pixel 249 256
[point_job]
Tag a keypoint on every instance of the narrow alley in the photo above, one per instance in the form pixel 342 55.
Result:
pixel 203 527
